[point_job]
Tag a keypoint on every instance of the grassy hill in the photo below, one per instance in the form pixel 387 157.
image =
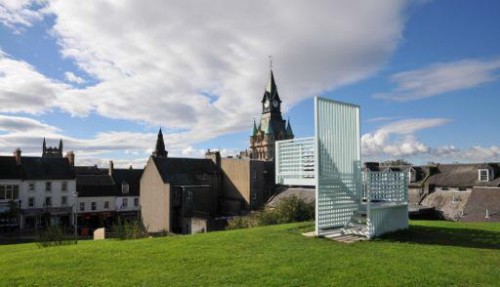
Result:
pixel 429 254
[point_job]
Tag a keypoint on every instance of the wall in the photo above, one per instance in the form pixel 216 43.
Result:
pixel 40 193
pixel 130 203
pixel 154 200
pixel 236 179
pixel 261 182
pixel 99 200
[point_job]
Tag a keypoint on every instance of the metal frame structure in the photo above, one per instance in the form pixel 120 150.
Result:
pixel 331 161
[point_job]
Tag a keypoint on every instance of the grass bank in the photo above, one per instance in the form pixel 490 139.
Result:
pixel 430 253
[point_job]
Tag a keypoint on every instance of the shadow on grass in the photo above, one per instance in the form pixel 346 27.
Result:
pixel 462 237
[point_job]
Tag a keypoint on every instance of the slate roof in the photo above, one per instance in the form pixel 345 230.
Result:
pixel 462 175
pixel 92 182
pixel 130 176
pixel 482 198
pixel 9 168
pixel 184 171
pixel 35 168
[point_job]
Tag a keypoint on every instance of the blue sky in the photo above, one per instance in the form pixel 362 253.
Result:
pixel 104 77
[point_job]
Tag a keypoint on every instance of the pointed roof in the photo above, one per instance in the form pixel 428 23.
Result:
pixel 289 132
pixel 271 91
pixel 160 146
pixel 254 129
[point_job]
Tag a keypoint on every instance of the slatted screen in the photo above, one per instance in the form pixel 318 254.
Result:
pixel 338 172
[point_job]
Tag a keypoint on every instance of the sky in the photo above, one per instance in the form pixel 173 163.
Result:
pixel 105 75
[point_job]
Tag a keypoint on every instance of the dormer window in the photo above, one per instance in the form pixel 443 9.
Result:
pixel 484 174
pixel 125 187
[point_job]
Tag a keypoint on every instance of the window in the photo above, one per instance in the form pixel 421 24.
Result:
pixel 483 175
pixel 125 202
pixel 9 192
pixel 82 206
pixel 124 187
pixel 31 186
pixel 31 202
pixel 48 186
pixel 48 201
pixel 93 205
pixel 106 205
pixel 136 202
pixel 64 186
pixel 64 200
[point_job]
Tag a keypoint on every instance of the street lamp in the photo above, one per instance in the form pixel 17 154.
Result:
pixel 76 216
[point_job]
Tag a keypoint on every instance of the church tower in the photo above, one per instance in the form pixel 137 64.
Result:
pixel 160 146
pixel 271 126
pixel 52 151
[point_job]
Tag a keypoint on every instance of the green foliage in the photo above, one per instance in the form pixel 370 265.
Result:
pixel 126 229
pixel 290 209
pixel 275 255
pixel 53 236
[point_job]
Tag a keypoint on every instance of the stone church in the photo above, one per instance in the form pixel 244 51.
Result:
pixel 271 127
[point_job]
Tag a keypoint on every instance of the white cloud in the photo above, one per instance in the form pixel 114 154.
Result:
pixel 441 78
pixel 73 78
pixel 23 124
pixel 23 89
pixel 156 62
pixel 17 14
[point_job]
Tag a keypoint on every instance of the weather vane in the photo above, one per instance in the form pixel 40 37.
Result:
pixel 270 62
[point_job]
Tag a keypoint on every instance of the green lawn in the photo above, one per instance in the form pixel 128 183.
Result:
pixel 429 254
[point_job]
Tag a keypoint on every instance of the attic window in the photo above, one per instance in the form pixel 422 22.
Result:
pixel 484 175
pixel 125 187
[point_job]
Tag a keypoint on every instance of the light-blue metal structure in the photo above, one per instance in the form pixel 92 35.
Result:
pixel 331 161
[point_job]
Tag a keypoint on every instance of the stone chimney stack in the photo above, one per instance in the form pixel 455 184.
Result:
pixel 111 168
pixel 17 156
pixel 71 158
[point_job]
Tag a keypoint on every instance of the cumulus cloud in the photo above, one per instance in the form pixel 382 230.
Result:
pixel 71 77
pixel 23 124
pixel 17 14
pixel 441 78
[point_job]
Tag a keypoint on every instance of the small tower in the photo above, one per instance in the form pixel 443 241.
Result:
pixel 271 127
pixel 52 152
pixel 160 150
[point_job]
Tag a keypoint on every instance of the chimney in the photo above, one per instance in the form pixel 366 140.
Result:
pixel 17 156
pixel 130 166
pixel 111 168
pixel 71 158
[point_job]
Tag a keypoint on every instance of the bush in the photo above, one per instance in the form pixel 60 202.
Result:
pixel 54 236
pixel 124 229
pixel 290 209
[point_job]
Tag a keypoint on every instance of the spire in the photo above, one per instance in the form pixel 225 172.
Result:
pixel 44 147
pixel 254 130
pixel 289 132
pixel 271 85
pixel 60 145
pixel 160 146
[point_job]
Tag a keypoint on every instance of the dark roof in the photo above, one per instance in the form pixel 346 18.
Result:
pixel 130 176
pixel 9 168
pixel 91 181
pixel 184 171
pixel 482 198
pixel 39 168
pixel 462 175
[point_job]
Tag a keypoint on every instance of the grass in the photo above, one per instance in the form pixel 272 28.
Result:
pixel 428 254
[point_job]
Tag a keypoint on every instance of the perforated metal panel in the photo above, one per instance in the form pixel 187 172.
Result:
pixel 338 173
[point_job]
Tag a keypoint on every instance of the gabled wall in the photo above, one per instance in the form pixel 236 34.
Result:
pixel 154 200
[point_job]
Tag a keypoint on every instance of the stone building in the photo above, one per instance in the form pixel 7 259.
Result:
pixel 271 127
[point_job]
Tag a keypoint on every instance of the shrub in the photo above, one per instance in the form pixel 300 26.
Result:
pixel 54 236
pixel 124 229
pixel 290 209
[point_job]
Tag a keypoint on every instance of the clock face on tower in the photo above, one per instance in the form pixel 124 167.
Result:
pixel 266 104
pixel 275 103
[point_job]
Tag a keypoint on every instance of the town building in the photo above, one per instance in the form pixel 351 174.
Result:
pixel 179 195
pixel 271 126
pixel 42 187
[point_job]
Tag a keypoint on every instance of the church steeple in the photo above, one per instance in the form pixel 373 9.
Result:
pixel 271 101
pixel 289 132
pixel 254 130
pixel 160 146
